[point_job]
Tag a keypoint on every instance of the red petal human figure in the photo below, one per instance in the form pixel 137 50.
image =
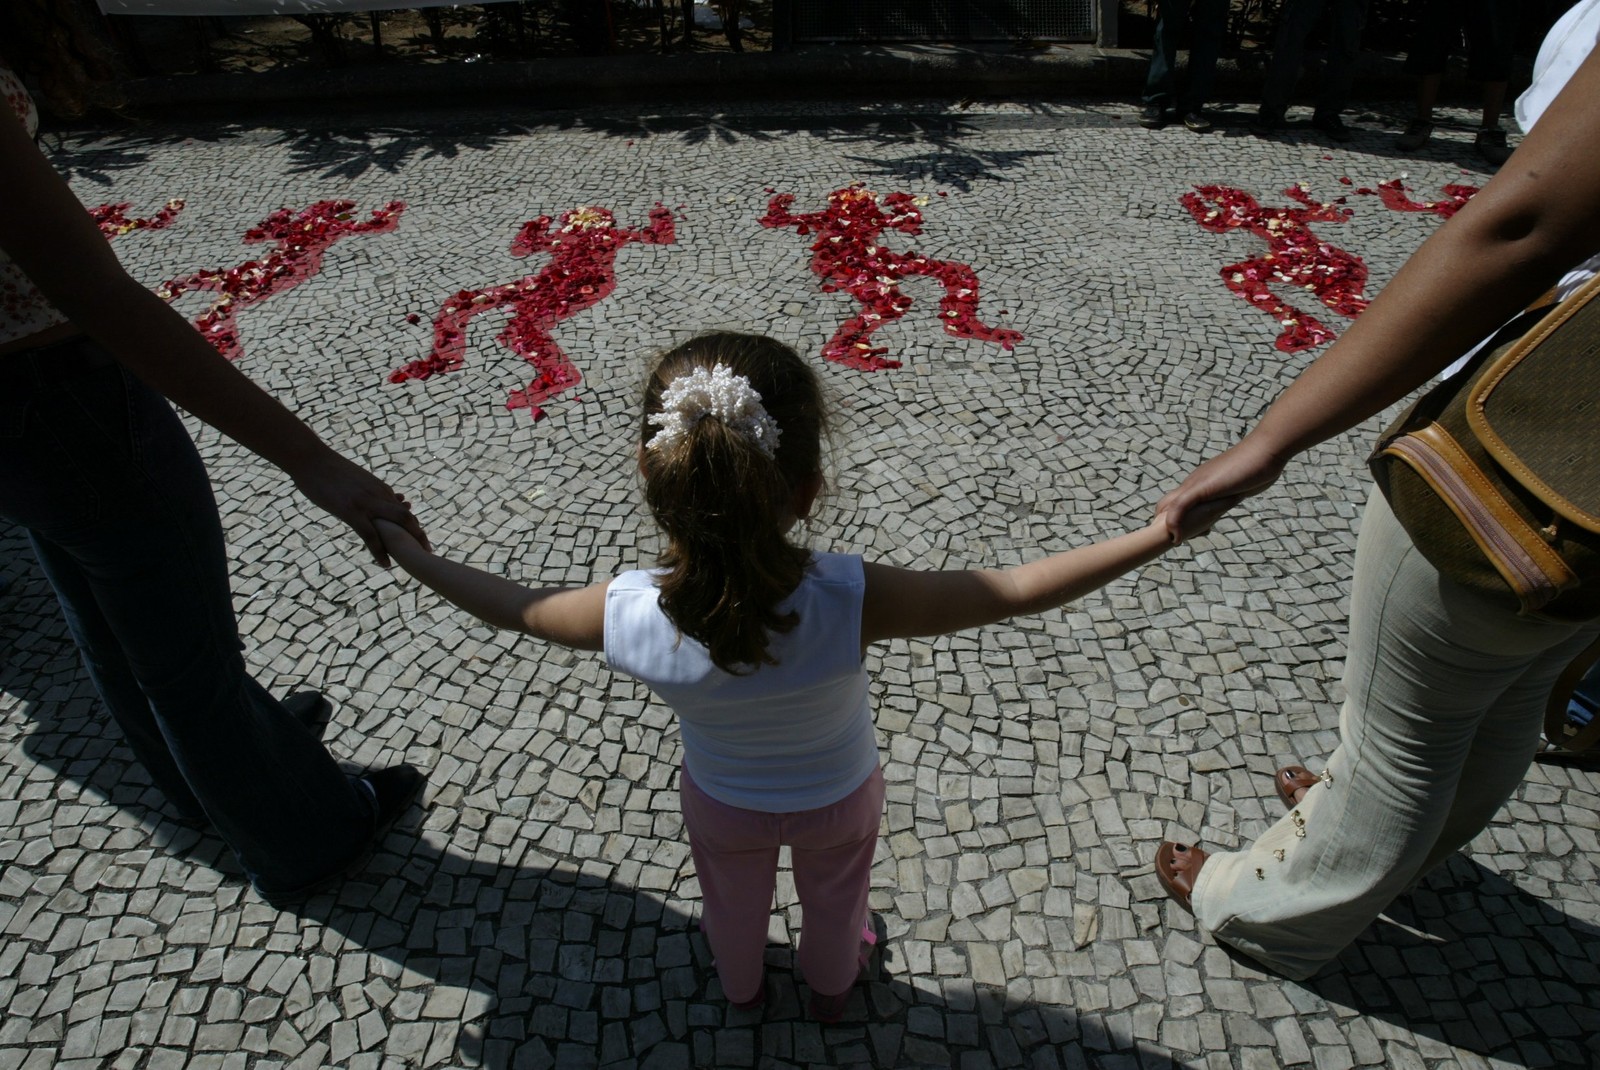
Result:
pixel 1296 258
pixel 848 254
pixel 581 272
pixel 301 238
pixel 113 221
pixel 1393 195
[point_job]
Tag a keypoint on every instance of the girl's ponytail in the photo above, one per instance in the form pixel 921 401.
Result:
pixel 722 477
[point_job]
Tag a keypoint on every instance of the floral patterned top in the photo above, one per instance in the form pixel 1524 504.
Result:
pixel 23 309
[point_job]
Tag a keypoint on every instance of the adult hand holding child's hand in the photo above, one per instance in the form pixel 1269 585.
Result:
pixel 1217 486
pixel 399 541
pixel 358 498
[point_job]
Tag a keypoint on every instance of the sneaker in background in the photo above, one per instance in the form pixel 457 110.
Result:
pixel 1332 125
pixel 1416 135
pixel 1491 145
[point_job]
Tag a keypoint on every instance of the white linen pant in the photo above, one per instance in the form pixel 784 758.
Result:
pixel 1445 695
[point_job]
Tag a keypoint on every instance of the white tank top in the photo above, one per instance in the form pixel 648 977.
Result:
pixel 792 736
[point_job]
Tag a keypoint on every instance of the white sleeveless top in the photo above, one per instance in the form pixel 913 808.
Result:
pixel 792 736
pixel 23 309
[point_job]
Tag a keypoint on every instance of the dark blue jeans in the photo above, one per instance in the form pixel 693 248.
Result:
pixel 1491 32
pixel 102 475
pixel 1206 19
pixel 1296 21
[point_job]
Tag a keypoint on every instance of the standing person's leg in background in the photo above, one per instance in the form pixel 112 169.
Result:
pixel 1208 22
pixel 1159 96
pixel 1490 27
pixel 1437 27
pixel 106 480
pixel 1205 21
pixel 1346 18
pixel 1296 20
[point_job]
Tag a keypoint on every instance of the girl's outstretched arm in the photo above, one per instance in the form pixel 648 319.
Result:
pixel 569 616
pixel 901 603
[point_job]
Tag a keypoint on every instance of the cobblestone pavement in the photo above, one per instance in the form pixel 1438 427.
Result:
pixel 539 907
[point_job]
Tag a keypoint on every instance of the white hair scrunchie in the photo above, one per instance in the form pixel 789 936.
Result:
pixel 720 393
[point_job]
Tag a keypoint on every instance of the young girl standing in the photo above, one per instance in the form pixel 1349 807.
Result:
pixel 757 644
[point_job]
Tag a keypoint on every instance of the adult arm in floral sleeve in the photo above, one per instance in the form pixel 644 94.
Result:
pixel 1535 219
pixel 46 232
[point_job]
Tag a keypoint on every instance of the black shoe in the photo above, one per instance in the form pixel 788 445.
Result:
pixel 392 791
pixel 312 709
pixel 1333 126
pixel 1491 145
pixel 389 792
pixel 1266 124
pixel 1152 117
pixel 1416 135
pixel 1198 122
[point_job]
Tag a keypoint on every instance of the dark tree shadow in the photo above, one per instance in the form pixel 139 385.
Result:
pixel 350 154
pixel 343 150
pixel 904 147
pixel 940 154
pixel 118 151
pixel 958 170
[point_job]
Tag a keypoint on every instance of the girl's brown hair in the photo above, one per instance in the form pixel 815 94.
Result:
pixel 725 506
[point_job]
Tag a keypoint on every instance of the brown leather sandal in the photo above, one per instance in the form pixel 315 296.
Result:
pixel 1179 883
pixel 1290 779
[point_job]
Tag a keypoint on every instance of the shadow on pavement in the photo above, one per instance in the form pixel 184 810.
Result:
pixel 521 962
pixel 1473 961
pixel 342 148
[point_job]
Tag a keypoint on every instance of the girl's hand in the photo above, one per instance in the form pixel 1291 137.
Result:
pixel 1197 520
pixel 398 541
pixel 1217 486
pixel 358 498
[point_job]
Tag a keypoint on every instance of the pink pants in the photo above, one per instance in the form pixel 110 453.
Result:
pixel 736 856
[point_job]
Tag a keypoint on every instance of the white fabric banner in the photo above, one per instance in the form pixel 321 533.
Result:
pixel 264 7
